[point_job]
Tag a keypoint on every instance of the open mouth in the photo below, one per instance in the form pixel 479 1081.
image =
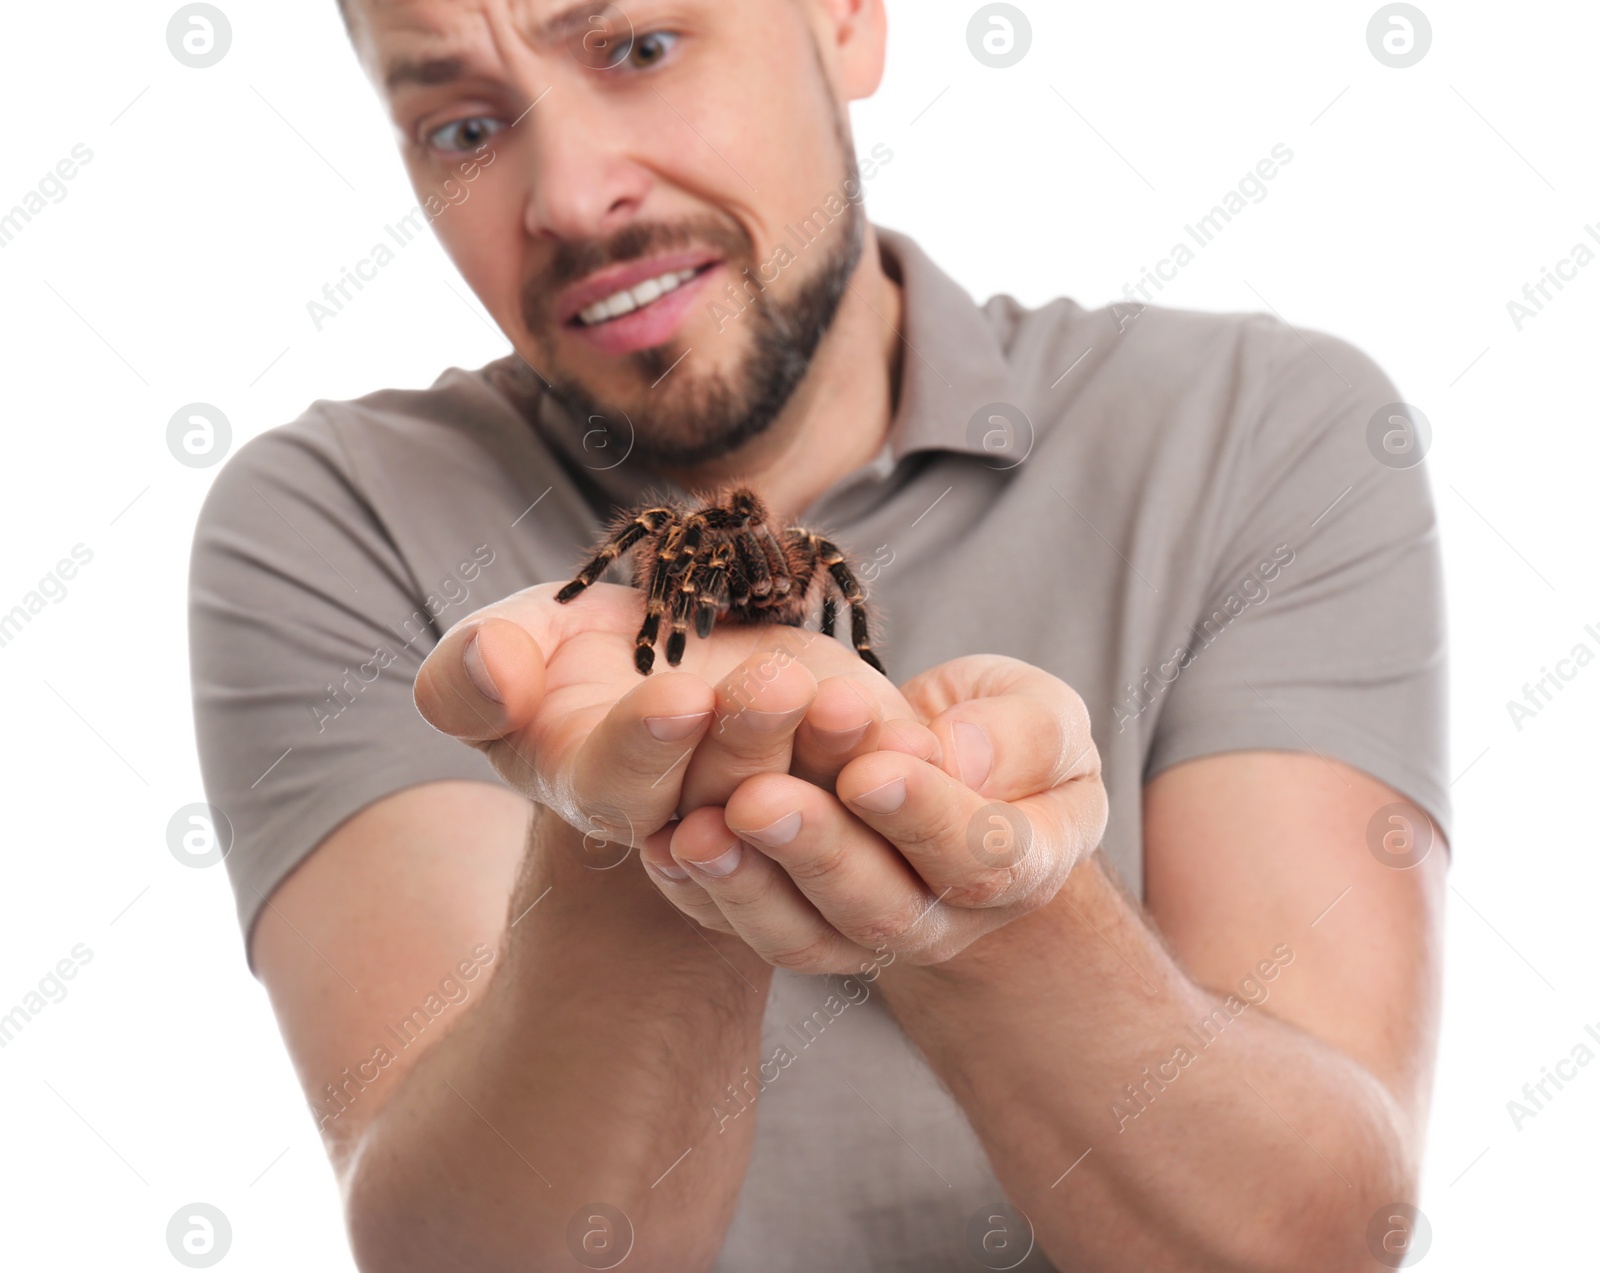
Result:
pixel 637 297
pixel 642 305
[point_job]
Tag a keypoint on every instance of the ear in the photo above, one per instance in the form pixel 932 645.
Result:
pixel 853 36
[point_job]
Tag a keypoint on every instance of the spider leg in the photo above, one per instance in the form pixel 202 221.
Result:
pixel 738 587
pixel 648 522
pixel 672 564
pixel 830 614
pixel 831 558
pixel 644 644
pixel 684 596
pixel 737 508
pixel 726 518
pixel 712 596
pixel 800 561
pixel 753 564
pixel 777 562
pixel 694 529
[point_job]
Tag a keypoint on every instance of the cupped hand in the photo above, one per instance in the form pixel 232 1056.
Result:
pixel 549 693
pixel 910 859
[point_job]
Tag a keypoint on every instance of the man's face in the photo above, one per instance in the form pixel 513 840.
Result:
pixel 659 206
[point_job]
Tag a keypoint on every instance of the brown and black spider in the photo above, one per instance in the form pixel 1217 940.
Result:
pixel 724 560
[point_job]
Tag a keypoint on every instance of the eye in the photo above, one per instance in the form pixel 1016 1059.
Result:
pixel 464 134
pixel 650 49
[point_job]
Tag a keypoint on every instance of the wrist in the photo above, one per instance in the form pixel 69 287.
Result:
pixel 593 911
pixel 1044 935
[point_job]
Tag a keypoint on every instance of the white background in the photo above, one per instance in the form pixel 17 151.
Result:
pixel 219 201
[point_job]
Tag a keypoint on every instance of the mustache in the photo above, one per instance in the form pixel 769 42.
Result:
pixel 576 259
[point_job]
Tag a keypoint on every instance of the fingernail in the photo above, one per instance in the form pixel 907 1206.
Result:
pixel 723 864
pixel 884 799
pixel 778 833
pixel 770 722
pixel 974 753
pixel 477 673
pixel 672 729
pixel 670 870
pixel 838 740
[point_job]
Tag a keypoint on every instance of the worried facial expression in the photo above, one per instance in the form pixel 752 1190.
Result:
pixel 660 207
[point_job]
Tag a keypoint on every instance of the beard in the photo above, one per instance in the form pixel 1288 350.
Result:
pixel 690 420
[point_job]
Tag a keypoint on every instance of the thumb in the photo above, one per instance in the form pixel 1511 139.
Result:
pixel 969 676
pixel 483 681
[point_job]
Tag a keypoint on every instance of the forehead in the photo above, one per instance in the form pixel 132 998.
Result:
pixel 428 41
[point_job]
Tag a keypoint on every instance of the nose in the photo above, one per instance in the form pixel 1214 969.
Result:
pixel 583 184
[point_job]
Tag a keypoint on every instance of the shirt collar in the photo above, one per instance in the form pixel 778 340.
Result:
pixel 951 362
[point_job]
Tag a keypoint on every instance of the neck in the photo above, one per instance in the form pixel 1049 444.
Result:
pixel 839 415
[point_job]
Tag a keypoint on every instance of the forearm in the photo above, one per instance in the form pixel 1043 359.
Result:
pixel 1141 1121
pixel 585 1075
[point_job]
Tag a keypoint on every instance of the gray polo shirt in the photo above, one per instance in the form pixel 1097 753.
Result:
pixel 1179 514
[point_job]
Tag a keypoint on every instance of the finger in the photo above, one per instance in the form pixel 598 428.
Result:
pixel 910 738
pixel 757 898
pixel 484 688
pixel 676 884
pixel 854 878
pixel 624 780
pixel 849 718
pixel 602 607
pixel 1014 746
pixel 757 709
pixel 1006 729
pixel 970 676
pixel 482 681
pixel 971 851
pixel 842 723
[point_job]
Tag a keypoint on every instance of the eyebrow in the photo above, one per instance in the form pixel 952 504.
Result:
pixel 433 70
pixel 445 70
pixel 569 21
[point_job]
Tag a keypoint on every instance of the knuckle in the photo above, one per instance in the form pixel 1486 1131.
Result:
pixel 742 749
pixel 744 754
pixel 707 916
pixel 820 863
pixel 809 957
pixel 642 773
pixel 901 930
pixel 930 833
pixel 605 823
pixel 991 887
pixel 885 934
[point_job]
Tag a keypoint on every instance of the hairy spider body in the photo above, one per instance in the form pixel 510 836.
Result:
pixel 724 560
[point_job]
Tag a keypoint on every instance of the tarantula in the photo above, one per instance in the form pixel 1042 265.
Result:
pixel 725 560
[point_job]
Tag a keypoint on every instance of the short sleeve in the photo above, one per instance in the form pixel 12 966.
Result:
pixel 1322 628
pixel 305 635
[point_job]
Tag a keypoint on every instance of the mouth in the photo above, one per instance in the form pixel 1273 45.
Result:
pixel 635 306
pixel 626 300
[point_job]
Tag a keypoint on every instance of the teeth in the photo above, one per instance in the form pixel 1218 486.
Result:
pixel 625 302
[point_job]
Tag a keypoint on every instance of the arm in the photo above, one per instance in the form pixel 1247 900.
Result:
pixel 580 1064
pixel 1128 1137
pixel 1244 1094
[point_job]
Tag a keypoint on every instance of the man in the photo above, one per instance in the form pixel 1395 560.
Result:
pixel 1108 940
